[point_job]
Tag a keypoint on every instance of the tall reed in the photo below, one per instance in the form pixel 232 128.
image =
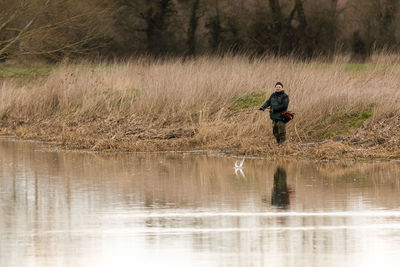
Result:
pixel 329 98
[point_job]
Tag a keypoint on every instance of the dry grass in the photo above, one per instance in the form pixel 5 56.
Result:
pixel 147 104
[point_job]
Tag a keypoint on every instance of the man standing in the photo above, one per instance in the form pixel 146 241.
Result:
pixel 278 103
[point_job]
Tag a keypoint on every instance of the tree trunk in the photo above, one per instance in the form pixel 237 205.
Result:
pixel 191 34
pixel 304 36
pixel 278 30
pixel 215 29
pixel 276 15
pixel 155 18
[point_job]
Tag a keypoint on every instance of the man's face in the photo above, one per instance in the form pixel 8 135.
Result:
pixel 278 88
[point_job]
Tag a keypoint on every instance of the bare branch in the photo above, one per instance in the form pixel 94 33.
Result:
pixel 4 49
pixel 2 26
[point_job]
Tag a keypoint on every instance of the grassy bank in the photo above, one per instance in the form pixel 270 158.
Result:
pixel 342 111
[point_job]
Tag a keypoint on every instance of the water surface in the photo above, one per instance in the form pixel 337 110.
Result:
pixel 71 208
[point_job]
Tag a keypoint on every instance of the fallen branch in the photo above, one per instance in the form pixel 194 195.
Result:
pixel 314 143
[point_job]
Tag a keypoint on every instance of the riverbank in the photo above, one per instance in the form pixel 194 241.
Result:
pixel 342 111
pixel 99 136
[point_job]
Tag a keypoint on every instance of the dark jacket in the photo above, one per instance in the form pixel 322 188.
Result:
pixel 279 102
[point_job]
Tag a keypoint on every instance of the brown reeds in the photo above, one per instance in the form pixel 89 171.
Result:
pixel 145 104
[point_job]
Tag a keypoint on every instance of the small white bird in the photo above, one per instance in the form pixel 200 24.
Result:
pixel 239 166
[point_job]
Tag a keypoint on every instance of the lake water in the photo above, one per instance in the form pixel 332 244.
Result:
pixel 71 208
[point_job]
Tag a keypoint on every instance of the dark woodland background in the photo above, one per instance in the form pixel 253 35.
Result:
pixel 53 30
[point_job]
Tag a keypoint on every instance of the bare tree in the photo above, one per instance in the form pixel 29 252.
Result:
pixel 150 18
pixel 51 29
pixel 214 26
pixel 386 27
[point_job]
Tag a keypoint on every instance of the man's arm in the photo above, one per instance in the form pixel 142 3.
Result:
pixel 266 104
pixel 283 106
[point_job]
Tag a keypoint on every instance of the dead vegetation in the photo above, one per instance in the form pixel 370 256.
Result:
pixel 211 103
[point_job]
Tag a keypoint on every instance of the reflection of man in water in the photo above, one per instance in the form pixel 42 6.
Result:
pixel 280 192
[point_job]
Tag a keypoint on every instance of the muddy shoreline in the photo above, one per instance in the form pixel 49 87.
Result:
pixel 90 138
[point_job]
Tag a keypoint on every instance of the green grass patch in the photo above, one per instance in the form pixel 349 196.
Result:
pixel 251 100
pixel 338 124
pixel 359 67
pixel 24 73
pixel 360 119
